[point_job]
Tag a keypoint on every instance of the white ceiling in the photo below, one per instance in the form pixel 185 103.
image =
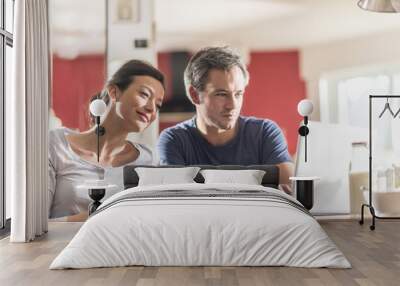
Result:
pixel 180 16
pixel 78 26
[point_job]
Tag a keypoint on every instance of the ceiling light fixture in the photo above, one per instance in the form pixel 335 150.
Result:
pixel 385 6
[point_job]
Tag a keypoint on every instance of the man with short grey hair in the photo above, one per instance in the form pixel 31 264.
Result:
pixel 196 72
pixel 215 80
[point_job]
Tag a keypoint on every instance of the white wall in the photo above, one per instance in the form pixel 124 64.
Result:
pixel 120 48
pixel 382 49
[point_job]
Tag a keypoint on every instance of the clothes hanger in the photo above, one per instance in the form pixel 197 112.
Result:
pixel 397 113
pixel 387 107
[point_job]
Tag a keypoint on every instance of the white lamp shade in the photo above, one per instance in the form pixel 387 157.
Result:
pixel 305 107
pixel 97 107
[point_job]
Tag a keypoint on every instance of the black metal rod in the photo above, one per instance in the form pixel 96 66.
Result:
pixel 98 137
pixel 384 96
pixel 305 147
pixel 305 137
pixel 370 151
pixel 370 207
pixel 98 145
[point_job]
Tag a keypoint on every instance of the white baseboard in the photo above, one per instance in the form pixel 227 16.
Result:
pixel 322 217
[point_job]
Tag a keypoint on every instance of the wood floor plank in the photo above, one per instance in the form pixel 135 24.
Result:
pixel 212 272
pixel 146 282
pixel 313 282
pixel 374 255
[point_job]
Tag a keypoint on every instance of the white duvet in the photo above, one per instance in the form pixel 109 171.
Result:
pixel 207 230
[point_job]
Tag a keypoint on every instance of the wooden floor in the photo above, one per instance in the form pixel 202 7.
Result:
pixel 374 255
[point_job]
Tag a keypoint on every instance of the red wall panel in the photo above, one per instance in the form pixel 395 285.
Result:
pixel 164 65
pixel 274 91
pixel 74 83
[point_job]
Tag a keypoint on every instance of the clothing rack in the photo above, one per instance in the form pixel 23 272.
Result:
pixel 369 205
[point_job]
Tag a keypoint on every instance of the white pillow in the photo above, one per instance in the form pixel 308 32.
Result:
pixel 248 177
pixel 164 176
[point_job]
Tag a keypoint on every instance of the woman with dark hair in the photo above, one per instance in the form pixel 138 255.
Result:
pixel 133 96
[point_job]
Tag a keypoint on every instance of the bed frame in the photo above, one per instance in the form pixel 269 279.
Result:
pixel 270 179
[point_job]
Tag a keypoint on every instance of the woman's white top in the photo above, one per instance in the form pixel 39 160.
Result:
pixel 68 173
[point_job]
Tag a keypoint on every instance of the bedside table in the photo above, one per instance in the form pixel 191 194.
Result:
pixel 304 189
pixel 96 191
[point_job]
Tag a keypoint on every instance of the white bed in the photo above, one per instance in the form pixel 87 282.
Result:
pixel 223 224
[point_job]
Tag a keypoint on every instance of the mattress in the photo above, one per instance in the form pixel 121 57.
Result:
pixel 201 225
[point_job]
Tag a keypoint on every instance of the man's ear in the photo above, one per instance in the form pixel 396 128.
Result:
pixel 194 95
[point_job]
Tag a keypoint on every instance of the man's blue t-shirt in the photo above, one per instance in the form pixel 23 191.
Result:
pixel 257 142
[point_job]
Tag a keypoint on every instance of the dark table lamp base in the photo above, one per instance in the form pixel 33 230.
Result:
pixel 96 195
pixel 305 193
pixel 305 190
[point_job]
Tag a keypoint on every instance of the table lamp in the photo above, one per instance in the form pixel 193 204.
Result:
pixel 304 186
pixel 97 109
pixel 305 108
pixel 96 192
